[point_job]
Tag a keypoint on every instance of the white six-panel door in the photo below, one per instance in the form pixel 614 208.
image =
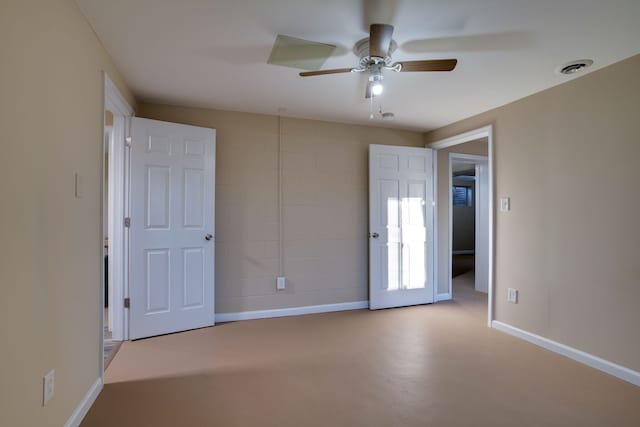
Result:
pixel 401 241
pixel 171 257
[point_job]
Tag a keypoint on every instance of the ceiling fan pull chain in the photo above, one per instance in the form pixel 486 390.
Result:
pixel 371 115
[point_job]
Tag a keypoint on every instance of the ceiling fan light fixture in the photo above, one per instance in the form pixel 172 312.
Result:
pixel 376 76
pixel 377 89
pixel 375 81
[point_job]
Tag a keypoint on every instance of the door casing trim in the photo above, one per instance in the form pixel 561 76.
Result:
pixel 117 209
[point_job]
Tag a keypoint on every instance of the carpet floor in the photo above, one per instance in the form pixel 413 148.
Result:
pixel 434 365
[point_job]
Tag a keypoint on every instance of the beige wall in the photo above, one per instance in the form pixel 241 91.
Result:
pixel 325 194
pixel 479 148
pixel 568 159
pixel 51 121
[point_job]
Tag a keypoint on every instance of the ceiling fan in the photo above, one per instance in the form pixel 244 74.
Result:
pixel 375 56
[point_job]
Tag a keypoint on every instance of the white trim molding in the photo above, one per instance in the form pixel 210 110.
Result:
pixel 443 297
pixel 483 132
pixel 116 208
pixel 595 362
pixel 434 206
pixel 113 99
pixel 294 311
pixel 81 411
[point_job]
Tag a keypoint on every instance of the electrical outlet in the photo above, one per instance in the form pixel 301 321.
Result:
pixel 512 295
pixel 281 283
pixel 48 387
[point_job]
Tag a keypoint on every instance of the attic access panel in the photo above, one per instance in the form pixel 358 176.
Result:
pixel 301 54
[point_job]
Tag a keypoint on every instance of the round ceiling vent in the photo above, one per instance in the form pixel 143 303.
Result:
pixel 574 66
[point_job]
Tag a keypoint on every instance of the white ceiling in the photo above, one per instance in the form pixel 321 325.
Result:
pixel 213 53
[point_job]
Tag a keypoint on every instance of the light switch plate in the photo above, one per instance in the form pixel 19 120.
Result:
pixel 505 204
pixel 281 283
pixel 48 387
pixel 512 295
pixel 79 189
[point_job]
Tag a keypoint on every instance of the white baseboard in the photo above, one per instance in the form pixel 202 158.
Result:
pixel 596 362
pixel 295 311
pixel 464 252
pixel 78 415
pixel 443 297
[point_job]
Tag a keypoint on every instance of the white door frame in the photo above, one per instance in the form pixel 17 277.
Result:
pixel 483 132
pixel 117 208
pixel 108 130
pixel 474 160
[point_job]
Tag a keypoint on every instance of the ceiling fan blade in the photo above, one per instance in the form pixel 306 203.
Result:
pixel 509 40
pixel 323 72
pixel 428 65
pixel 380 40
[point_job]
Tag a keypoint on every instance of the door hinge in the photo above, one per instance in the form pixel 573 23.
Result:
pixel 127 222
pixel 127 303
pixel 127 141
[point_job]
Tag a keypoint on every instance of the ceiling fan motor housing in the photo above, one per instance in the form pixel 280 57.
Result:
pixel 361 49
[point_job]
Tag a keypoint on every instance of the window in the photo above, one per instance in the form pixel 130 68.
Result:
pixel 462 196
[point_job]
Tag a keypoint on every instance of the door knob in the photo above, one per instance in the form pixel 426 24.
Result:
pixel 374 235
pixel 208 237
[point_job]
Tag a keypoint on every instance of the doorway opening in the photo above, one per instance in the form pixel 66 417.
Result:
pixel 465 218
pixel 468 222
pixel 113 321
